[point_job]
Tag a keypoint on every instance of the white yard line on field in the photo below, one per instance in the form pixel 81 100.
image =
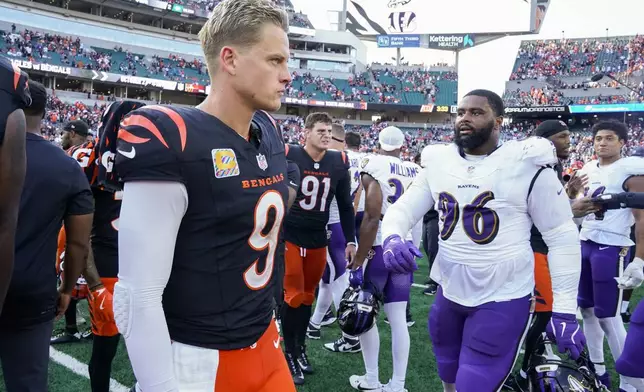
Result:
pixel 80 368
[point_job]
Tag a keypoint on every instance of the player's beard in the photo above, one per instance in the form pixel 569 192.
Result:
pixel 476 138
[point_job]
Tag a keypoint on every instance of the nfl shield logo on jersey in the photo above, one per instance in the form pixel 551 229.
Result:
pixel 225 162
pixel 261 161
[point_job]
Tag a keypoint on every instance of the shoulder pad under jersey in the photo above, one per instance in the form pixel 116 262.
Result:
pixel 373 165
pixel 537 150
pixel 149 144
pixel 632 166
pixel 13 81
pixel 586 168
pixel 431 152
pixel 14 92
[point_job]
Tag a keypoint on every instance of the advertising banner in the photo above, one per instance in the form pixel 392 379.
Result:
pixel 329 104
pixel 431 108
pixel 451 41
pixel 608 108
pixel 28 65
pixel 399 41
pixel 537 110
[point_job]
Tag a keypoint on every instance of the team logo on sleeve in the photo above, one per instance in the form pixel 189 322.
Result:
pixel 364 163
pixel 225 162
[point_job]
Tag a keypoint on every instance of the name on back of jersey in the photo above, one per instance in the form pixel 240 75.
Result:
pixel 403 170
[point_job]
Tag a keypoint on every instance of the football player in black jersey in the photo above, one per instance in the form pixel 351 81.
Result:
pixel 204 197
pixel 324 174
pixel 102 266
pixel 14 96
pixel 75 144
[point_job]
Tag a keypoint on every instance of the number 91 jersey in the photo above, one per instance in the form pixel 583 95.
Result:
pixel 305 224
pixel 393 175
pixel 484 220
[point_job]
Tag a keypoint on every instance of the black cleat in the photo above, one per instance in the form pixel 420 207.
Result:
pixel 626 316
pixel 313 332
pixel 303 361
pixel 294 367
pixel 329 318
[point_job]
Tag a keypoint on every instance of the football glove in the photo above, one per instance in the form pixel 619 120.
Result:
pixel 400 256
pixel 565 331
pixel 633 275
pixel 356 277
pixel 614 201
pixel 102 308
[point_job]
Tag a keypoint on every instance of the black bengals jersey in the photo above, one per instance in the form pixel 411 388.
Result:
pixel 14 92
pixel 107 206
pixel 220 291
pixel 105 238
pixel 321 181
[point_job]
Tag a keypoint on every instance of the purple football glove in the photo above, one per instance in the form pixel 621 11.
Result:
pixel 564 329
pixel 355 277
pixel 400 256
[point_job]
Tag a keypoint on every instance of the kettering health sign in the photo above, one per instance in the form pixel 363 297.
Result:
pixel 625 107
pixel 399 41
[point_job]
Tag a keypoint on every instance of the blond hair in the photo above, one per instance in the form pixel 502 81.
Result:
pixel 238 22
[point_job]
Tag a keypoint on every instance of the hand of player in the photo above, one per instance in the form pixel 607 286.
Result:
pixel 62 303
pixel 101 304
pixel 350 253
pixel 356 277
pixel 633 275
pixel 576 184
pixel 584 206
pixel 564 330
pixel 400 256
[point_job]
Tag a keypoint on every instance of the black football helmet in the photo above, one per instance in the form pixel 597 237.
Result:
pixel 358 308
pixel 548 374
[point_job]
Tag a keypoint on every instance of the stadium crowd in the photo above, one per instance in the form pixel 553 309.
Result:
pixel 60 112
pixel 552 61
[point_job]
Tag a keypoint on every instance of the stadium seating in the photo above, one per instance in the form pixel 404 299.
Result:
pixel 554 72
pixel 406 87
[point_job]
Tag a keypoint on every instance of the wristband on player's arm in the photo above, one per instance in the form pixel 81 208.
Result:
pixel 615 201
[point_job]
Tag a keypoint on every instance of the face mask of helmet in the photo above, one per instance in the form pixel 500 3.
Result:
pixel 357 311
pixel 550 372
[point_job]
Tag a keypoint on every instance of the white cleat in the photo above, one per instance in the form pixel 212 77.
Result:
pixel 360 383
pixel 389 388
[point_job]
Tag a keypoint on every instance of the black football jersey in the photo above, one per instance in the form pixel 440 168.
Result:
pixel 14 92
pixel 306 221
pixel 107 206
pixel 220 291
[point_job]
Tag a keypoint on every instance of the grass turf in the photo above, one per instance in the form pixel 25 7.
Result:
pixel 332 370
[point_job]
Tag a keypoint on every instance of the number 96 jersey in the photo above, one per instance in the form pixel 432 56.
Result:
pixel 484 253
pixel 393 175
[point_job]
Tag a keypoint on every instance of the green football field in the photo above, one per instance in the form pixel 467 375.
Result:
pixel 68 365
